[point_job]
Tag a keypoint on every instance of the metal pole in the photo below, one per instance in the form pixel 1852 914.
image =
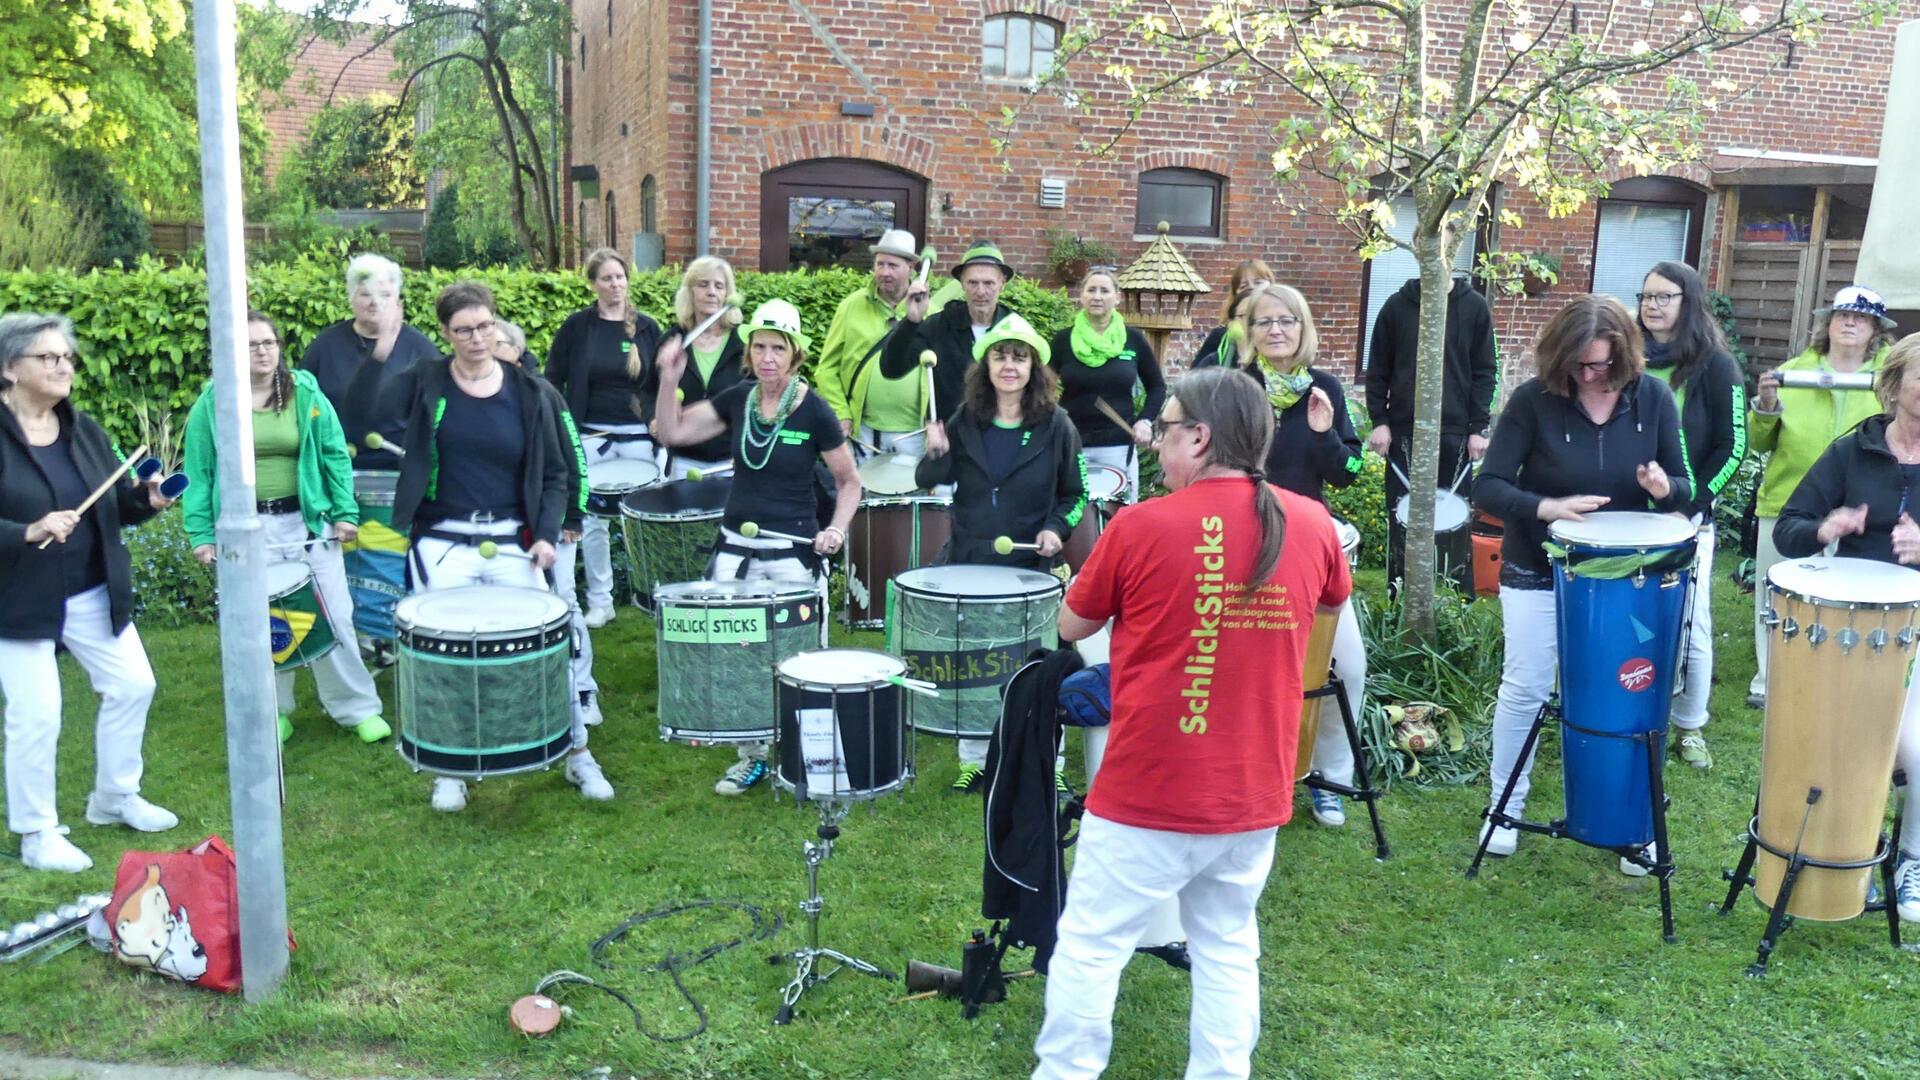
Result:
pixel 703 168
pixel 253 751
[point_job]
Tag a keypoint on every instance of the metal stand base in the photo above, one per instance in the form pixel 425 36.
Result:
pixel 1363 790
pixel 1660 864
pixel 808 971
pixel 1886 857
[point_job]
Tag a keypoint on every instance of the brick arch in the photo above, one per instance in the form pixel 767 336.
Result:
pixel 1057 10
pixel 1183 159
pixel 845 139
pixel 1694 172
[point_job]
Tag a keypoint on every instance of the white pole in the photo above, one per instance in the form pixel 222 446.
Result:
pixel 253 746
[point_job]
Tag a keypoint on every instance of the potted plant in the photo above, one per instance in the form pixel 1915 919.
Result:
pixel 1538 272
pixel 1069 255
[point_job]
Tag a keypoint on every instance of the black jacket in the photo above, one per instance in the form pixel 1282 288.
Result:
pixel 1081 386
pixel 1302 460
pixel 1215 350
pixel 33 599
pixel 731 369
pixel 341 362
pixel 1545 447
pixel 548 473
pixel 1047 489
pixel 568 362
pixel 949 333
pixel 1713 427
pixel 1858 468
pixel 1024 881
pixel 1472 369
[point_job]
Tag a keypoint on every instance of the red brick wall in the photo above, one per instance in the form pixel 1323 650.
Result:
pixel 320 67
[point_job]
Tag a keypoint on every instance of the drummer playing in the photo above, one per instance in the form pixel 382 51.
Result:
pixel 1545 464
pixel 492 448
pixel 885 414
pixel 780 430
pixel 1860 496
pixel 1014 459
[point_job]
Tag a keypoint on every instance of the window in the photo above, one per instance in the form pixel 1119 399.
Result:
pixel 1644 221
pixel 1188 200
pixel 830 211
pixel 613 222
pixel 1389 271
pixel 649 212
pixel 1017 46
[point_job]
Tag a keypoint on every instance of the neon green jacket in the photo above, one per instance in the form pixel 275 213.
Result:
pixel 861 320
pixel 325 472
pixel 1807 423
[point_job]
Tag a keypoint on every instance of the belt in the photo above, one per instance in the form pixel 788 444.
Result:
pixel 287 505
pixel 471 539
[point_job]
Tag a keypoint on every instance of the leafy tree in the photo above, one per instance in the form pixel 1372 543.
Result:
pixel 359 155
pixel 38 229
pixel 1381 99
pixel 89 187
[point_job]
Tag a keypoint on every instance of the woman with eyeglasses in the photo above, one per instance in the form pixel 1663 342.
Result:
pixel 65 581
pixel 303 481
pixel 1686 350
pixel 1586 433
pixel 1099 359
pixel 1797 424
pixel 1219 348
pixel 1314 446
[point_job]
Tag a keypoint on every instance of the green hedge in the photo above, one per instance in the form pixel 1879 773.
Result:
pixel 143 330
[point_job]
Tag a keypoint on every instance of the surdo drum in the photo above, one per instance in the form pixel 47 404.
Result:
pixel 717 643
pixel 967 629
pixel 297 627
pixel 671 532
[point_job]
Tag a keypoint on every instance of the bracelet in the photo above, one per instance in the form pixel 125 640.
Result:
pixel 836 530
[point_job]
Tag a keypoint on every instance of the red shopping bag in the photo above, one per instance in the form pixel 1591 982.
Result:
pixel 178 913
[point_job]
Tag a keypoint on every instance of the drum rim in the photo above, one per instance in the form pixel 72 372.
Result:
pixel 907 588
pixel 917 497
pixel 305 581
pixel 799 682
pixel 1774 588
pixel 1450 498
pixel 705 736
pixel 654 518
pixel 719 484
pixel 623 487
pixel 560 617
pixel 1119 490
pixel 1692 533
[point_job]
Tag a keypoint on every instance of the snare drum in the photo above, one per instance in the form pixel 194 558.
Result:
pixel 671 532
pixel 297 626
pixel 1106 491
pixel 611 479
pixel 889 474
pixel 485 683
pixel 717 643
pixel 967 629
pixel 1840 636
pixel 1620 589
pixel 1450 512
pixel 1349 542
pixel 376 560
pixel 842 731
pixel 890 534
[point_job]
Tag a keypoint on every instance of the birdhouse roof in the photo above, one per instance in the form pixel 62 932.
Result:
pixel 1161 269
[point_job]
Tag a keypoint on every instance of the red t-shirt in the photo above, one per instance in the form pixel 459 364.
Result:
pixel 1206 673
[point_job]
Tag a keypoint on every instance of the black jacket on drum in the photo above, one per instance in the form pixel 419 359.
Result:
pixel 549 474
pixel 1046 489
pixel 1858 468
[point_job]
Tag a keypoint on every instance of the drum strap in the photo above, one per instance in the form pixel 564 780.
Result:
pixel 621 436
pixel 749 555
pixel 418 562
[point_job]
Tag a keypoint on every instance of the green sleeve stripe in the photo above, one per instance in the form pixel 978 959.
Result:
pixel 1080 504
pixel 1732 466
pixel 433 449
pixel 579 456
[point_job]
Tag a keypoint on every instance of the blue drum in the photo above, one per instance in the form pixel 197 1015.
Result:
pixel 1620 587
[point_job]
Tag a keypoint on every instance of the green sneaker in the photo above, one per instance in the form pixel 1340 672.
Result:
pixel 286 728
pixel 1692 748
pixel 970 780
pixel 372 729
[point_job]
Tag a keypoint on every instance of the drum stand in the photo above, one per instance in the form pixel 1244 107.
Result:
pixel 1362 788
pixel 1660 864
pixel 805 976
pixel 1778 921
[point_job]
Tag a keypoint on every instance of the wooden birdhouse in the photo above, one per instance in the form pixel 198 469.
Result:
pixel 1158 291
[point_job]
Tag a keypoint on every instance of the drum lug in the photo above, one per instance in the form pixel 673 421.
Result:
pixel 1877 639
pixel 1905 638
pixel 1769 617
pixel 1847 638
pixel 1788 628
pixel 1815 635
pixel 1640 579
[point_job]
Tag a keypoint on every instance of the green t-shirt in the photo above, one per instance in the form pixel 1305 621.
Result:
pixel 894 404
pixel 705 360
pixel 276 454
pixel 1665 375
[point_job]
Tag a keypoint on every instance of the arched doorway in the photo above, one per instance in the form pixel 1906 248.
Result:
pixel 828 211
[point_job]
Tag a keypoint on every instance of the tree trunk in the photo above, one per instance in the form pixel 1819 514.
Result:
pixel 1423 464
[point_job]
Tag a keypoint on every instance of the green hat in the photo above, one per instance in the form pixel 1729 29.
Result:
pixel 988 254
pixel 777 315
pixel 1013 328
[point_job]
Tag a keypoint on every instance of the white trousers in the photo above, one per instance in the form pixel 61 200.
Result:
pixel 1124 458
pixel 789 571
pixel 1120 876
pixel 1690 704
pixel 1332 753
pixel 1765 557
pixel 678 467
pixel 346 689
pixel 596 540
pixel 1530 667
pixel 116 666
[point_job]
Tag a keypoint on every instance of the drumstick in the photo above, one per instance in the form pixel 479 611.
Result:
pixel 864 445
pixel 702 474
pixel 1113 414
pixel 928 358
pixel 734 300
pixel 376 441
pixel 488 549
pixel 1005 545
pixel 751 529
pixel 927 257
pixel 112 479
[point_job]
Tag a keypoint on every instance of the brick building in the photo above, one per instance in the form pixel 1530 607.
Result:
pixel 832 121
pixel 323 70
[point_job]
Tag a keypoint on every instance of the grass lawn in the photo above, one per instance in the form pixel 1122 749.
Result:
pixel 416 929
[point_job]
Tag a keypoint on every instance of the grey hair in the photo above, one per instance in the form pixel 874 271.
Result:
pixel 1235 408
pixel 367 269
pixel 513 334
pixel 17 333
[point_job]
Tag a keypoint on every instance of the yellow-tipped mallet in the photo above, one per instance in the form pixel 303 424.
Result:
pixel 929 358
pixel 751 529
pixel 703 474
pixel 1005 545
pixel 734 301
pixel 375 441
pixel 489 549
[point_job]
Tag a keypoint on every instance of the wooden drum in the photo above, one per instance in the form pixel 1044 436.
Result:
pixel 1840 641
pixel 1313 675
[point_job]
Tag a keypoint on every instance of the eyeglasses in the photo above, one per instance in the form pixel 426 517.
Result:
pixel 1161 426
pixel 264 345
pixel 52 360
pixel 1656 299
pixel 1284 322
pixel 469 333
pixel 1597 365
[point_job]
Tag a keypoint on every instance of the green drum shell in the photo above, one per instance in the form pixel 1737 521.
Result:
pixel 288 605
pixel 968 646
pixel 717 645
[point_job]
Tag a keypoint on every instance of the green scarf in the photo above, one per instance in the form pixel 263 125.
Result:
pixel 1094 348
pixel 1284 389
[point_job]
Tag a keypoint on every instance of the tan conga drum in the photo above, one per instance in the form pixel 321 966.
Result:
pixel 1313 676
pixel 1840 641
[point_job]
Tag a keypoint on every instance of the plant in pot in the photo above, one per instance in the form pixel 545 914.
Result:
pixel 1538 272
pixel 1069 256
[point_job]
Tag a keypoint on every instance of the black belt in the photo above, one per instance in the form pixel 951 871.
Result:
pixel 288 505
pixel 472 539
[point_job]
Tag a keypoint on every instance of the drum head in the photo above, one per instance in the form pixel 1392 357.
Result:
pixel 286 577
pixel 1450 511
pixel 889 474
pixel 621 474
pixel 678 499
pixel 480 609
pixel 1626 529
pixel 1847 581
pixel 722 592
pixel 841 667
pixel 977 582
pixel 1105 483
pixel 1349 535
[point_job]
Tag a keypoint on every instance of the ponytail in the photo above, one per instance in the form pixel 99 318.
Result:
pixel 1273 528
pixel 1234 407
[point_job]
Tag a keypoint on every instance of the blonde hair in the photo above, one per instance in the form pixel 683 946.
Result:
pixel 1296 305
pixel 630 318
pixel 683 297
pixel 1905 353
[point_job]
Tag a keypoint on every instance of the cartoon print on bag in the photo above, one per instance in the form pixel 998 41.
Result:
pixel 148 934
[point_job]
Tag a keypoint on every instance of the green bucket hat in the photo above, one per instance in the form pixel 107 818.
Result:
pixel 988 254
pixel 1013 328
pixel 777 315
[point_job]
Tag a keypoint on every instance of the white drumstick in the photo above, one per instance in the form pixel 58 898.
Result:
pixel 734 300
pixel 488 549
pixel 1005 545
pixel 375 441
pixel 750 529
pixel 702 474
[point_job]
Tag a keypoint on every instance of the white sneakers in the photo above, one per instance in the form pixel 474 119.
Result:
pixel 584 773
pixel 130 810
pixel 597 617
pixel 449 795
pixel 590 709
pixel 1634 869
pixel 1505 839
pixel 49 849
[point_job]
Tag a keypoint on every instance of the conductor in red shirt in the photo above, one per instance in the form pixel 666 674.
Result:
pixel 1212 591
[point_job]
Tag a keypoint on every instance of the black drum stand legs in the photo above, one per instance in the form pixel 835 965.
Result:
pixel 1362 788
pixel 809 972
pixel 1659 862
